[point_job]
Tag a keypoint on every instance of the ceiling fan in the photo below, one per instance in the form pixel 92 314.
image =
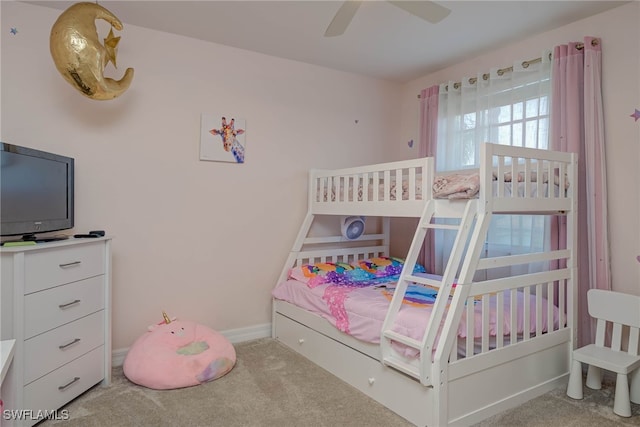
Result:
pixel 427 10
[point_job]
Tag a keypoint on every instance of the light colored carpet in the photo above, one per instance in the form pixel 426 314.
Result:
pixel 557 409
pixel 273 386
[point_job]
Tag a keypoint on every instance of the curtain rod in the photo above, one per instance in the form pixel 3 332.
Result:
pixel 525 64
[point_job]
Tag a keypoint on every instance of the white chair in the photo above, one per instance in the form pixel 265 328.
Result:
pixel 623 311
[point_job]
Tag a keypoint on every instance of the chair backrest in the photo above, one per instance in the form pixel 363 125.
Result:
pixel 621 310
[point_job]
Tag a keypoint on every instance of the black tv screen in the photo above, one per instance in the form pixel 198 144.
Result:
pixel 36 191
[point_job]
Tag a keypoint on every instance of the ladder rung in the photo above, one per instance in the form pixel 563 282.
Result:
pixel 442 226
pixel 423 280
pixel 403 339
pixel 402 366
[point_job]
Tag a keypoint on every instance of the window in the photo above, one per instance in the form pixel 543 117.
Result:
pixel 508 108
pixel 517 116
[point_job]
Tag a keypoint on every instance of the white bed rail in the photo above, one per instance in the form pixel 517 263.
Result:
pixel 519 179
pixel 497 313
pixel 345 255
pixel 385 189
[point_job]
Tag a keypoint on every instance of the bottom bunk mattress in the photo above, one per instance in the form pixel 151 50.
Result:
pixel 359 310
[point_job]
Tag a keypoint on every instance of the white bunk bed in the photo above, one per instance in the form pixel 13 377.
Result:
pixel 453 380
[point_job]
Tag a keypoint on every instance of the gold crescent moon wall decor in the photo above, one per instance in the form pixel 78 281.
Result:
pixel 80 57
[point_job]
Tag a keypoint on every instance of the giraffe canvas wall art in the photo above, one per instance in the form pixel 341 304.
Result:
pixel 222 138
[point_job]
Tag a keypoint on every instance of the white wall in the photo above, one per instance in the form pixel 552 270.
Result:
pixel 620 35
pixel 201 240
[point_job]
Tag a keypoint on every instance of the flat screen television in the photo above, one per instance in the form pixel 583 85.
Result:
pixel 36 192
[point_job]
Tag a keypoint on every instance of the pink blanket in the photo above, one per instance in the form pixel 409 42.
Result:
pixel 360 311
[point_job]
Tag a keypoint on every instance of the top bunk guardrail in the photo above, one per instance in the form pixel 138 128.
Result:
pixel 526 180
pixel 402 188
pixel 386 189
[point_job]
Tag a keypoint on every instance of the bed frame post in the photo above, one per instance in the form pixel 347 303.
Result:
pixel 291 259
pixel 572 245
pixel 297 246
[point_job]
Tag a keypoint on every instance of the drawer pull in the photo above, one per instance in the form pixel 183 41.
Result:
pixel 64 387
pixel 301 341
pixel 69 264
pixel 63 347
pixel 69 304
pixel 372 380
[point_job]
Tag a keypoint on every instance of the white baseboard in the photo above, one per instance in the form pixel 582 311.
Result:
pixel 234 335
pixel 117 356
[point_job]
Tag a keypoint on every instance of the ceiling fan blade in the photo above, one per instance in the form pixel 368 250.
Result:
pixel 343 18
pixel 427 10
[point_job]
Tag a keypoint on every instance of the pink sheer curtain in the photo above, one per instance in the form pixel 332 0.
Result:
pixel 427 148
pixel 577 126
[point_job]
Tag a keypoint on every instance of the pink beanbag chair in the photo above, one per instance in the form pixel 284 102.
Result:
pixel 178 354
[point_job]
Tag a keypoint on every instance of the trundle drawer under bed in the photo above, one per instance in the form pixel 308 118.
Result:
pixel 399 393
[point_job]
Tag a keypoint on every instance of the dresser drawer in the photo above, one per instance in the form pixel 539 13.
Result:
pixel 65 383
pixel 51 308
pixel 48 268
pixel 62 345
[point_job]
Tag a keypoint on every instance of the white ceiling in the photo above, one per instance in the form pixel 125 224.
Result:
pixel 382 41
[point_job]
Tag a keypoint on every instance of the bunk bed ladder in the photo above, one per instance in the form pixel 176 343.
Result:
pixel 425 346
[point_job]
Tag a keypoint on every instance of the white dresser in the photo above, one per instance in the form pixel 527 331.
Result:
pixel 55 302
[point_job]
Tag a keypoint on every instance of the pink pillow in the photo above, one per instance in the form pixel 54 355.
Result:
pixel 178 354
